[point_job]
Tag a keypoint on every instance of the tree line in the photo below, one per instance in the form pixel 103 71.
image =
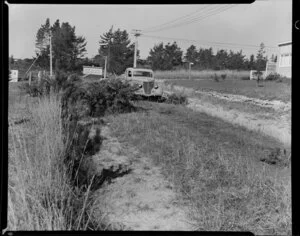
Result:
pixel 170 56
pixel 116 48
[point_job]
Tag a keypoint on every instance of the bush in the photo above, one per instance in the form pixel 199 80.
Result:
pixel 34 89
pixel 223 76
pixel 216 78
pixel 98 98
pixel 273 77
pixel 177 98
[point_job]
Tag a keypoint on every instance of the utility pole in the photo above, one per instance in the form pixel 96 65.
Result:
pixel 136 34
pixel 106 58
pixel 50 36
pixel 105 67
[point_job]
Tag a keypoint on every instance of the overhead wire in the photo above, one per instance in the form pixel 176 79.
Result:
pixel 177 19
pixel 196 17
pixel 211 12
pixel 215 44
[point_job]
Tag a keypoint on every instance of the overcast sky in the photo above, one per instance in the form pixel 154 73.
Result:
pixel 238 26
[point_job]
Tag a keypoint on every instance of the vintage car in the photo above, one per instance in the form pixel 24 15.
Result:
pixel 146 82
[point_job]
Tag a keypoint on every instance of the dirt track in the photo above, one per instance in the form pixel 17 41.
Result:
pixel 142 199
pixel 278 126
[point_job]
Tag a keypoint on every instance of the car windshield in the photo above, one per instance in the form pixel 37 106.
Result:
pixel 142 73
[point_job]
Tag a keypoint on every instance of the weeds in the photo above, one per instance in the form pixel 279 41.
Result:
pixel 223 76
pixel 41 196
pixel 216 78
pixel 39 193
pixel 227 189
pixel 49 184
pixel 177 99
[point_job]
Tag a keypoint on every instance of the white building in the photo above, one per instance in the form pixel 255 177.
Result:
pixel 13 77
pixel 284 67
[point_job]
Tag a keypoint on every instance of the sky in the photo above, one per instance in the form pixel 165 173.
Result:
pixel 231 27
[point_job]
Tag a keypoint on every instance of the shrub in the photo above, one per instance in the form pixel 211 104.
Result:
pixel 34 89
pixel 223 76
pixel 98 98
pixel 177 98
pixel 216 78
pixel 43 87
pixel 245 78
pixel 273 77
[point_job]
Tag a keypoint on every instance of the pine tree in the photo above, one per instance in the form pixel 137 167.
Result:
pixel 67 48
pixel 119 51
pixel 221 60
pixel 252 62
pixel 261 59
pixel 191 54
pixel 42 45
pixel 165 57
pixel 174 54
pixel 157 58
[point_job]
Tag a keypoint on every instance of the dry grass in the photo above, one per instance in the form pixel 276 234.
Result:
pixel 270 91
pixel 203 74
pixel 215 166
pixel 40 196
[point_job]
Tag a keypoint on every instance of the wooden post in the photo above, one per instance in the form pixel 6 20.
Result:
pixel 105 69
pixel 50 55
pixel 29 77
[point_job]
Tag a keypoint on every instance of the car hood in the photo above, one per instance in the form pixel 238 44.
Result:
pixel 142 79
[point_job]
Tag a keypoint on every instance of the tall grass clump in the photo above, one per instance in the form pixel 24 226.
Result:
pixel 49 184
pixel 177 98
pixel 227 191
pixel 40 194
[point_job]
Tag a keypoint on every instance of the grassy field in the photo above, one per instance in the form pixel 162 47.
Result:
pixel 270 90
pixel 204 74
pixel 215 166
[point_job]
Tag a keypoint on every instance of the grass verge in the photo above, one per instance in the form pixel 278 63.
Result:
pixel 215 165
pixel 40 193
pixel 270 91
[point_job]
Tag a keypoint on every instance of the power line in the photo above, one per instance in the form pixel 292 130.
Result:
pixel 198 19
pixel 217 44
pixel 177 19
pixel 211 12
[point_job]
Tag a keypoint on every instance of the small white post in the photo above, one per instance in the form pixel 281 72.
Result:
pixel 105 67
pixel 190 65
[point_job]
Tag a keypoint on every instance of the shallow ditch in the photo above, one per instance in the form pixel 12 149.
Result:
pixel 87 167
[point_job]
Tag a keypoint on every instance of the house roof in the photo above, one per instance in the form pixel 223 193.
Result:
pixel 285 43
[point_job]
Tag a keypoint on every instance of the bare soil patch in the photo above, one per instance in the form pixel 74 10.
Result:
pixel 142 199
